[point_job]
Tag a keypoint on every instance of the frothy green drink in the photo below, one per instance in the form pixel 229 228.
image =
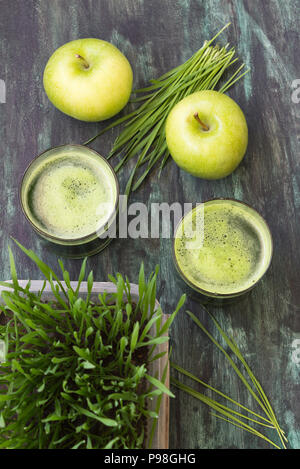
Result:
pixel 70 193
pixel 233 254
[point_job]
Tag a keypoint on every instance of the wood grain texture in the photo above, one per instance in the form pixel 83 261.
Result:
pixel 157 35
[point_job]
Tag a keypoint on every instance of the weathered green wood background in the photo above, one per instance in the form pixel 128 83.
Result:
pixel 156 35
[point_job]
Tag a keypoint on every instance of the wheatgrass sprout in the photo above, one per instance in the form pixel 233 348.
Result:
pixel 244 418
pixel 143 135
pixel 76 373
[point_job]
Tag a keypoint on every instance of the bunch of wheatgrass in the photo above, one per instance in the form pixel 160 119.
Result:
pixel 76 370
pixel 244 418
pixel 143 135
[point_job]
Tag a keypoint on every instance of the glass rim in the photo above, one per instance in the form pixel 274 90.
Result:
pixel 94 234
pixel 209 293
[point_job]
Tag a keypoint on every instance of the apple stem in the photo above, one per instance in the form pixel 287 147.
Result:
pixel 204 126
pixel 85 64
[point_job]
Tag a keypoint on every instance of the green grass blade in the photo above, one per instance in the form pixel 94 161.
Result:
pixel 247 429
pixel 211 388
pixel 228 413
pixel 233 346
pixel 159 385
pixel 234 366
pixel 143 131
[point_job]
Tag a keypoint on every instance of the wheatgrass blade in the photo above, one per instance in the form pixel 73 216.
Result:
pixel 260 398
pixel 76 372
pixel 226 411
pixel 143 134
pixel 211 388
pixel 233 346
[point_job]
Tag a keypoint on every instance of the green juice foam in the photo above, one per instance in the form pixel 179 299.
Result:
pixel 70 194
pixel 236 248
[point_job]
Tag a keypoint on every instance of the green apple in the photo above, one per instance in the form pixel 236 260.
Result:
pixel 207 134
pixel 88 79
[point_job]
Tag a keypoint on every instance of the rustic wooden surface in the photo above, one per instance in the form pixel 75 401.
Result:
pixel 156 35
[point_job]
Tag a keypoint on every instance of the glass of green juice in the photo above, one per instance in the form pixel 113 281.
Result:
pixel 232 254
pixel 69 194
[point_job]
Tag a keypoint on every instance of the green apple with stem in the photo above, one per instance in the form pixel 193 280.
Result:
pixel 207 134
pixel 88 79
